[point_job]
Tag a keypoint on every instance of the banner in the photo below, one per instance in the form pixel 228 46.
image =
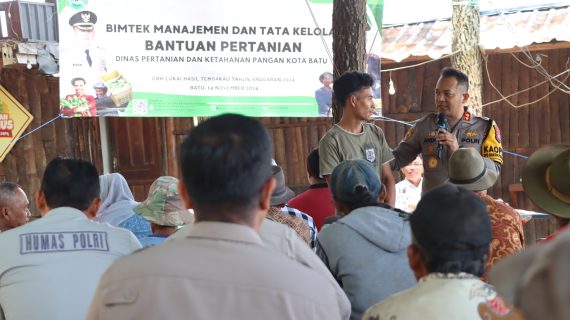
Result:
pixel 14 119
pixel 183 58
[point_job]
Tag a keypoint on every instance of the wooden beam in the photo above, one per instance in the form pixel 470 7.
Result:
pixel 555 45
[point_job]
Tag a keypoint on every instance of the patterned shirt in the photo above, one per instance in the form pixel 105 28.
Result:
pixel 508 234
pixel 308 219
pixel 137 225
pixel 445 296
pixel 295 223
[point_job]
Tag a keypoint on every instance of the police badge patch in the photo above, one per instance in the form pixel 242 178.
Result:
pixel 432 162
pixel 370 155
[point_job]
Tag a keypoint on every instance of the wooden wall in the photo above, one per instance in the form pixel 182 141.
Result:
pixel 293 139
pixel 524 129
pixel 64 137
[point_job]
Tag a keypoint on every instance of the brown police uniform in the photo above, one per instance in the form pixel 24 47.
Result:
pixel 471 132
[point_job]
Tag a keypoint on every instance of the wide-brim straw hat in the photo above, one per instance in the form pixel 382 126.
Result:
pixel 546 179
pixel 467 169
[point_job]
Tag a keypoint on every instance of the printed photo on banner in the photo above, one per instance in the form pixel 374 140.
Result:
pixel 123 58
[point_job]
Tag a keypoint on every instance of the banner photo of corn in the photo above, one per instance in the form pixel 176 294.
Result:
pixel 186 58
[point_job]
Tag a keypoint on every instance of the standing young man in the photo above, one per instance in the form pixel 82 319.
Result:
pixel 353 137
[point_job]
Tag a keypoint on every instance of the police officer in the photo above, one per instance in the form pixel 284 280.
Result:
pixel 57 261
pixel 464 130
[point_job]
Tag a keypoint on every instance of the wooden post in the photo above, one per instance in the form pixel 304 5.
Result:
pixel 349 40
pixel 465 40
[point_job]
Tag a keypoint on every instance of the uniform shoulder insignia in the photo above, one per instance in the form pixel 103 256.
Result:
pixel 409 134
pixel 467 116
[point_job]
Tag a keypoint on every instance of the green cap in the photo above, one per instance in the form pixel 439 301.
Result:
pixel 164 205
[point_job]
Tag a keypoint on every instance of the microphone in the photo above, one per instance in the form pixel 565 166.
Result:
pixel 441 124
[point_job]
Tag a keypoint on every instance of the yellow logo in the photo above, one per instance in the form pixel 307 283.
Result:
pixel 14 119
pixel 432 162
pixel 471 134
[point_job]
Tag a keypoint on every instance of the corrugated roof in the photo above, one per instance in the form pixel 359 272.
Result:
pixel 508 30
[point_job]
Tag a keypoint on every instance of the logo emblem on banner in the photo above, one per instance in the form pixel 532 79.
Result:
pixel 77 4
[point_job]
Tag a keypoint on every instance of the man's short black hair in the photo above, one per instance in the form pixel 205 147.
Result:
pixel 225 162
pixel 77 79
pixel 69 182
pixel 349 83
pixel 313 164
pixel 462 78
pixel 452 229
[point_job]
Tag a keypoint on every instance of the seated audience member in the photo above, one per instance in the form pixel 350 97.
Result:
pixel 546 182
pixel 365 250
pixel 50 267
pixel 451 233
pixel 164 210
pixel 281 238
pixel 117 204
pixel 14 206
pixel 409 190
pixel 317 201
pixel 280 212
pixel 222 269
pixel 467 169
pixel 536 280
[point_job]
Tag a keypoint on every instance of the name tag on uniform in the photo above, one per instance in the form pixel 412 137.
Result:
pixel 45 242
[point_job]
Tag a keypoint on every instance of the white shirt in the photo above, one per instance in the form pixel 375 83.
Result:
pixel 50 267
pixel 407 195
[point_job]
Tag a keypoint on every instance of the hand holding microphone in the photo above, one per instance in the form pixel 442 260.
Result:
pixel 441 124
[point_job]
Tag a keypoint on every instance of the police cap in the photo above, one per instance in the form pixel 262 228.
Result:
pixel 83 20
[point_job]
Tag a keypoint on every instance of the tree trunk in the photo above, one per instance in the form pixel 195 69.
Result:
pixel 465 39
pixel 349 40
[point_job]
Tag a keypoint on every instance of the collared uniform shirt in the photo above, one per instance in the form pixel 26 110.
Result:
pixel 281 238
pixel 407 195
pixel 471 131
pixel 77 66
pixel 445 296
pixel 49 268
pixel 217 271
